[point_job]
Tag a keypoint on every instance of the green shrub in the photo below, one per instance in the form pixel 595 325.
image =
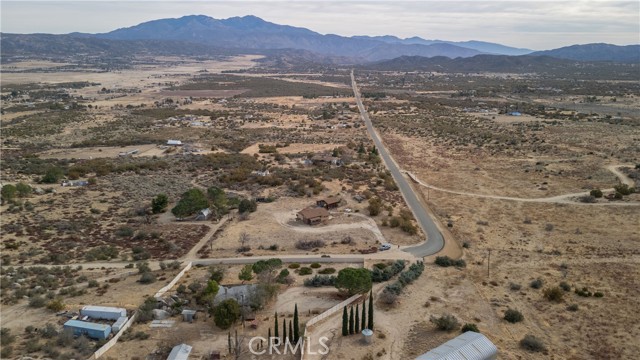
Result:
pixel 564 286
pixel 446 261
pixel 572 307
pixel 147 278
pixel 513 316
pixel 531 343
pixel 596 193
pixel 515 287
pixel 553 294
pixel 386 272
pixel 470 327
pixel 124 231
pixel 537 283
pixel 294 266
pixel 327 271
pixel 56 305
pixel 315 266
pixel 226 313
pixel 624 189
pixel 37 302
pixel 598 294
pixel 584 292
pixel 266 265
pixel 320 280
pixel 446 322
pixel 305 271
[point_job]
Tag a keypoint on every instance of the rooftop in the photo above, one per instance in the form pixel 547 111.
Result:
pixel 86 325
pixel 314 212
pixel 469 346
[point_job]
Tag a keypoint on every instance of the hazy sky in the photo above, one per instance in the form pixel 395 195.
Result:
pixel 541 24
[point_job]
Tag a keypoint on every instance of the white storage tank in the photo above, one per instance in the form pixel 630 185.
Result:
pixel 103 312
pixel 367 336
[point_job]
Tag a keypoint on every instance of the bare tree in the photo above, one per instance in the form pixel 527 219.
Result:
pixel 244 238
pixel 235 344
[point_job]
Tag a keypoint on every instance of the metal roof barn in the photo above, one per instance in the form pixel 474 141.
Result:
pixel 180 352
pixel 92 330
pixel 468 346
pixel 103 312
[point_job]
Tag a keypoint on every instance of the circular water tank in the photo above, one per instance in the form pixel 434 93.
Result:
pixel 367 336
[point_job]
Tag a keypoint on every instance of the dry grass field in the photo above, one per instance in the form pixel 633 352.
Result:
pixel 513 186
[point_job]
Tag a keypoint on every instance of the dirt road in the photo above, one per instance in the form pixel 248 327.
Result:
pixel 560 199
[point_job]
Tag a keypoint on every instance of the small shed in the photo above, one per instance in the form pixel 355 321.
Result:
pixel 180 352
pixel 103 312
pixel 188 315
pixel 331 202
pixel 469 346
pixel 174 142
pixel 203 214
pixel 92 330
pixel 313 215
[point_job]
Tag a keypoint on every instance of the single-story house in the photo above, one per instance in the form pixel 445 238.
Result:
pixel 313 215
pixel 469 345
pixel 329 203
pixel 174 142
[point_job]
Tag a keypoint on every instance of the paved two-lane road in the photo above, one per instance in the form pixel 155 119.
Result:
pixel 435 240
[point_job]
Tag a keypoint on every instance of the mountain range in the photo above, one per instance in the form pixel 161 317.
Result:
pixel 199 34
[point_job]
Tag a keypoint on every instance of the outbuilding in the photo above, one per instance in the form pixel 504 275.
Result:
pixel 469 346
pixel 329 203
pixel 103 312
pixel 180 352
pixel 174 143
pixel 203 214
pixel 92 330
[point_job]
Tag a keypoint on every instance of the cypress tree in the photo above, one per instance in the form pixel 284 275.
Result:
pixel 291 331
pixel 296 325
pixel 345 322
pixel 357 322
pixel 269 338
pixel 284 331
pixel 363 317
pixel 370 317
pixel 351 323
pixel 275 327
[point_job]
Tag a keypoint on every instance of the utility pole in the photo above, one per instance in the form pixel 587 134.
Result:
pixel 489 264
